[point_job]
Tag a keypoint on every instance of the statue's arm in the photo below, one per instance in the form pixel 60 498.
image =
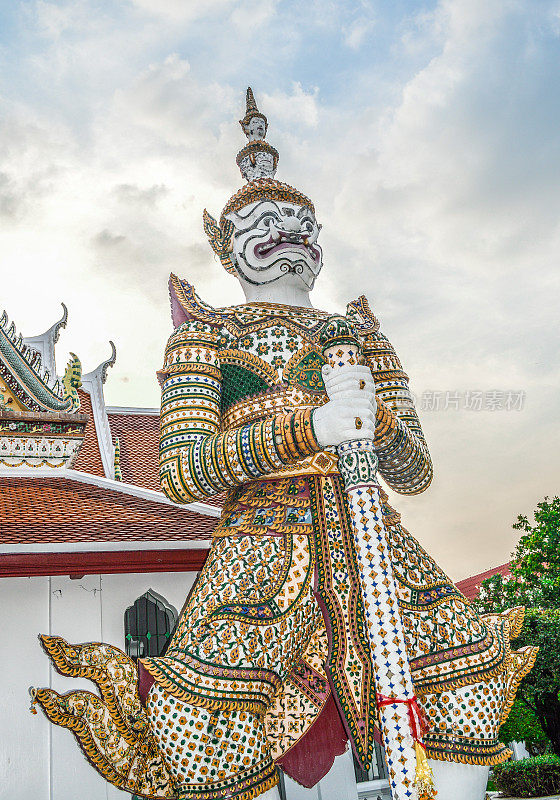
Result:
pixel 404 459
pixel 197 459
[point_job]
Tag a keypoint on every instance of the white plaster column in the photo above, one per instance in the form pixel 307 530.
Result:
pixel 459 781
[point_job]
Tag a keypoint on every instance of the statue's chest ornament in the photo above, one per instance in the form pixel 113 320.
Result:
pixel 282 375
pixel 288 343
pixel 264 315
pixel 304 369
pixel 276 355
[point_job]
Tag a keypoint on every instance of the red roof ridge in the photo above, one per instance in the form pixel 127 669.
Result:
pixel 470 587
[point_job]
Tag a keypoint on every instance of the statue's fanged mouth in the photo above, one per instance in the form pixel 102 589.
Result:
pixel 286 241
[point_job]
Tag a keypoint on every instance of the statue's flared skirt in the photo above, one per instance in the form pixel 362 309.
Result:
pixel 275 626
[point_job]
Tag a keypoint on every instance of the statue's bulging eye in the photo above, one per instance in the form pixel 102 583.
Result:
pixel 266 220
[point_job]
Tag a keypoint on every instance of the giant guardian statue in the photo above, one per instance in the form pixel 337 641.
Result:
pixel 318 620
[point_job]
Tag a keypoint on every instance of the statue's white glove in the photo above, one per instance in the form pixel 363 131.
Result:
pixel 351 394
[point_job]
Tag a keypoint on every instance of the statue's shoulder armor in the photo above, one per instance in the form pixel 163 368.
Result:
pixel 187 306
pixel 362 318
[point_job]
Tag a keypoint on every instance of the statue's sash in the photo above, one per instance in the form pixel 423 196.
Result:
pixel 349 664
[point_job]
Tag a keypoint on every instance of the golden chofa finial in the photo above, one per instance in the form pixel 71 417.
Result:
pixel 254 123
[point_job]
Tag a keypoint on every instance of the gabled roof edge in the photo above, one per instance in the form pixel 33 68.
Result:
pixel 92 383
pixel 44 342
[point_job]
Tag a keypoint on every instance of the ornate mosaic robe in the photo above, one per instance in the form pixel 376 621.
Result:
pixel 274 627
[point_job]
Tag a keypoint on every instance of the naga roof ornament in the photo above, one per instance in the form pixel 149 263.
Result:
pixel 44 343
pixel 72 380
pixel 28 379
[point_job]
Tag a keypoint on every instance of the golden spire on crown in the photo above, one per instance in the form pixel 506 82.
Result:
pixel 257 130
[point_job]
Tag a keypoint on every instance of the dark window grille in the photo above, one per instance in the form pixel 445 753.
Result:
pixel 281 784
pixel 377 771
pixel 148 625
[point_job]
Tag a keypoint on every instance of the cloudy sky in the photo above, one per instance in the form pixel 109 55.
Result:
pixel 428 136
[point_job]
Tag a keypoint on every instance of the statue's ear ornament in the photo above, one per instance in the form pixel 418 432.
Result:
pixel 220 238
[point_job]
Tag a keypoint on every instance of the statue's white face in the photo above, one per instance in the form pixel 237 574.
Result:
pixel 256 129
pixel 276 241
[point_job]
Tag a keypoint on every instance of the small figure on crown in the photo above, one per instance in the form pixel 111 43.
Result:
pixel 257 159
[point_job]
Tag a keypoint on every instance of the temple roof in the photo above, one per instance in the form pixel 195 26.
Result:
pixel 89 458
pixel 137 430
pixel 471 586
pixel 80 513
pixel 44 343
pixel 138 433
pixel 72 507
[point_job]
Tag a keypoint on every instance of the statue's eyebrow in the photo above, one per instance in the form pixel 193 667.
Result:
pixel 269 213
pixel 273 207
pixel 305 211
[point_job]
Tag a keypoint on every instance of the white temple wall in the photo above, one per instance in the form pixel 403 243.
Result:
pixel 24 740
pixel 40 761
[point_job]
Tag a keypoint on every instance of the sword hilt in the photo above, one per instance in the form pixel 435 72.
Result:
pixel 357 460
pixel 339 343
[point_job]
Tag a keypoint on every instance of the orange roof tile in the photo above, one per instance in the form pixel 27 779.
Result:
pixel 57 509
pixel 138 436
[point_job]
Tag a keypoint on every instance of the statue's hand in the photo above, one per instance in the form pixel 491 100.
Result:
pixel 345 380
pixel 350 412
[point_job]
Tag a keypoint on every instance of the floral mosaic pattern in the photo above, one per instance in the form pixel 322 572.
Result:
pixel 211 755
pixel 249 619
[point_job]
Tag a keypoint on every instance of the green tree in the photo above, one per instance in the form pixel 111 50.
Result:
pixel 535 583
pixel 540 689
pixel 496 594
pixel 535 565
pixel 522 725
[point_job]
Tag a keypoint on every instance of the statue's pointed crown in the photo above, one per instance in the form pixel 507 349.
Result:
pixel 251 111
pixel 258 159
pixel 257 162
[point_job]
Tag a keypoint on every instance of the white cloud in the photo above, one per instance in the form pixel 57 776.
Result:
pixel 250 15
pixel 181 11
pixel 356 32
pixel 297 109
